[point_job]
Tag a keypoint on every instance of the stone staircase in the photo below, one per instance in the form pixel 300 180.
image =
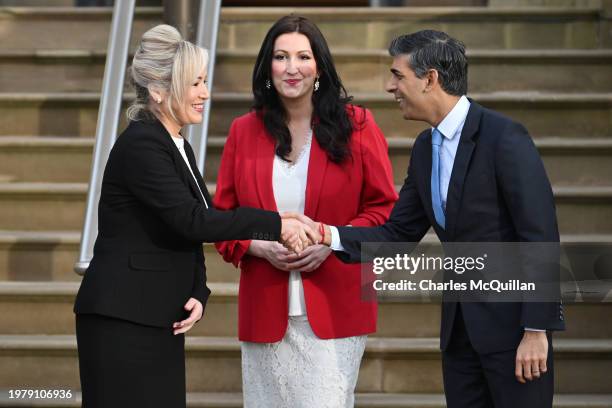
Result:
pixel 548 67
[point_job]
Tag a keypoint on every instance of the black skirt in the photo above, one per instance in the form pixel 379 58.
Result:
pixel 125 364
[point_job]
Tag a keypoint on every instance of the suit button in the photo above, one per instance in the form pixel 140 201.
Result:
pixel 254 235
pixel 260 235
pixel 560 317
pixel 266 236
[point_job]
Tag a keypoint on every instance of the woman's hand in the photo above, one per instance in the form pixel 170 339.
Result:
pixel 297 235
pixel 273 252
pixel 310 258
pixel 195 307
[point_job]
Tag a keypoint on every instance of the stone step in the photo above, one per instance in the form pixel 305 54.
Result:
pixel 60 206
pixel 46 159
pixel 568 161
pixel 478 27
pixel 46 308
pixel 69 3
pixel 51 255
pixel 362 400
pixel 361 70
pixel 328 3
pixel 75 114
pixel 531 3
pixel 390 365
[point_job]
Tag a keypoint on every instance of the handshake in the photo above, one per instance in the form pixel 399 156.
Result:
pixel 298 232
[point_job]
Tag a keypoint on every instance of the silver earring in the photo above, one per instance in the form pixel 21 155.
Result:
pixel 268 84
pixel 159 100
pixel 316 85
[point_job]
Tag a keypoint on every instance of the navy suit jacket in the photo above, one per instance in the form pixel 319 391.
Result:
pixel 498 192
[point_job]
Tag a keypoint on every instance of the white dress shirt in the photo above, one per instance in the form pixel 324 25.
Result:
pixel 451 128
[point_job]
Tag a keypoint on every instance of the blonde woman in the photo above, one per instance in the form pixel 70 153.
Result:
pixel 146 284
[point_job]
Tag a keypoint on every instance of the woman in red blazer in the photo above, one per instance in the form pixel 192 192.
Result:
pixel 305 149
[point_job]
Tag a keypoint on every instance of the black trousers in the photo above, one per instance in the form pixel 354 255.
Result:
pixel 473 380
pixel 124 364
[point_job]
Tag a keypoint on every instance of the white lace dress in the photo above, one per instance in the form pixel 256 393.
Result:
pixel 300 371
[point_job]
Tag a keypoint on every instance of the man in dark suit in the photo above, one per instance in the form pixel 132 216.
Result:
pixel 475 176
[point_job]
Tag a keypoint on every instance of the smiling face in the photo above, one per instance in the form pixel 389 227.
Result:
pixel 409 91
pixel 192 107
pixel 294 69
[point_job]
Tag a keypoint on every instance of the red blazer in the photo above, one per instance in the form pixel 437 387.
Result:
pixel 358 192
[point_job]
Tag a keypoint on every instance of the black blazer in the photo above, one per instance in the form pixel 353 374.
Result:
pixel 498 192
pixel 148 258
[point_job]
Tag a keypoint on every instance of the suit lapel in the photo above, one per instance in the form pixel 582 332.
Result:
pixel 263 171
pixel 460 167
pixel 198 175
pixel 317 167
pixel 180 164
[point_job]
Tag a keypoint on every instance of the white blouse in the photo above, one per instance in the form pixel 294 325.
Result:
pixel 289 185
pixel 180 145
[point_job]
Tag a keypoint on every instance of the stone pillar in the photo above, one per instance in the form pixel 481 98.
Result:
pixel 606 23
pixel 183 14
pixel 386 3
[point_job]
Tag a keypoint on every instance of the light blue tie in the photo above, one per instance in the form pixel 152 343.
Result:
pixel 436 200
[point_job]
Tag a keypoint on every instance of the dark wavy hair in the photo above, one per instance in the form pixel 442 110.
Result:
pixel 331 123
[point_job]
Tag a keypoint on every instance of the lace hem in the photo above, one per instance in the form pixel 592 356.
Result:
pixel 301 371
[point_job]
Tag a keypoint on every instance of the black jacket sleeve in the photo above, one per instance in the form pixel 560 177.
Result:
pixel 151 177
pixel 200 291
pixel 529 198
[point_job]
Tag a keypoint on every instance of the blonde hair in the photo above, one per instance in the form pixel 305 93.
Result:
pixel 164 62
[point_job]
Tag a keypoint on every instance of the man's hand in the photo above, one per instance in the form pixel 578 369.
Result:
pixel 302 218
pixel 326 240
pixel 296 235
pixel 531 356
pixel 195 307
pixel 310 259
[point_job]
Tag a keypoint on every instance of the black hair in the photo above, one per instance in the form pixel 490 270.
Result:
pixel 430 49
pixel 332 126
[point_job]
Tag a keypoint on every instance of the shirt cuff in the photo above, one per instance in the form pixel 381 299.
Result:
pixel 534 330
pixel 335 245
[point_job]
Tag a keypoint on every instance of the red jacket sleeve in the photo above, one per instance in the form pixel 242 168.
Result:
pixel 226 198
pixel 378 191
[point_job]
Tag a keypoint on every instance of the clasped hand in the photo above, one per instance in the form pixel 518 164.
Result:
pixel 298 232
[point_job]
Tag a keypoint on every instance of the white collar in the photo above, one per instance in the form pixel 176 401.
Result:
pixel 178 141
pixel 456 117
